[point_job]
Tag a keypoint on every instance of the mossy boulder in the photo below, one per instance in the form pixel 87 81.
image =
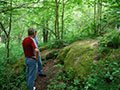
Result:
pixel 79 55
pixel 49 54
pixel 43 48
pixel 17 67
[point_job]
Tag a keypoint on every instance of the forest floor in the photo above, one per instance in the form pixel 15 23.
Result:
pixel 50 71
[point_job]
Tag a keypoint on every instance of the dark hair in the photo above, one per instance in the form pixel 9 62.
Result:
pixel 31 31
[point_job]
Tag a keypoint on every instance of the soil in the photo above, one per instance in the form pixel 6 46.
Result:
pixel 50 71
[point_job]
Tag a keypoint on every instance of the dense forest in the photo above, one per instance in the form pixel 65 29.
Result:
pixel 79 42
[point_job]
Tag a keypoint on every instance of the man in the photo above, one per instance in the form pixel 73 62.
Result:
pixel 40 71
pixel 31 56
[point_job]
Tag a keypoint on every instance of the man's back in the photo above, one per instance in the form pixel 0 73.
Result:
pixel 28 47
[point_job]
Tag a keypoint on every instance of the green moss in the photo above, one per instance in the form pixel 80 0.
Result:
pixel 79 56
pixel 48 54
pixel 62 54
pixel 17 67
pixel 43 48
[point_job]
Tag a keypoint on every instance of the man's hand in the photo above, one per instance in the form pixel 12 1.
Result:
pixel 34 57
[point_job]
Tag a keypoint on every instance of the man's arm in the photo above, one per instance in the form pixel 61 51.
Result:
pixel 36 53
pixel 36 40
pixel 35 49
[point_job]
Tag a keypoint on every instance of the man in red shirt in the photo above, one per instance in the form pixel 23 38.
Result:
pixel 31 56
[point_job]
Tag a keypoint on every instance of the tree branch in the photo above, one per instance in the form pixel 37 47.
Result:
pixel 45 28
pixel 3 29
pixel 20 6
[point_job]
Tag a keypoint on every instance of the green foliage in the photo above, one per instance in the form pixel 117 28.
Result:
pixel 16 51
pixel 57 44
pixel 65 81
pixel 110 40
pixel 8 79
pixel 78 24
pixel 66 41
pixel 11 81
pixel 2 54
pixel 104 76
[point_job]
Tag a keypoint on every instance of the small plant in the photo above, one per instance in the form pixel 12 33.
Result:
pixel 11 81
pixel 111 40
pixel 8 79
pixel 104 76
pixel 108 42
pixel 65 81
pixel 57 44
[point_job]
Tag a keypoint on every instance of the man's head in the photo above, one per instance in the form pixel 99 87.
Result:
pixel 35 32
pixel 31 32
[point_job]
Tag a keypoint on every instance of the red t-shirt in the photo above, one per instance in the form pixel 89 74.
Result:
pixel 28 47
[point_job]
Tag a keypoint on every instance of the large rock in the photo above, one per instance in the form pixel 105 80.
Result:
pixel 17 67
pixel 49 54
pixel 43 48
pixel 79 55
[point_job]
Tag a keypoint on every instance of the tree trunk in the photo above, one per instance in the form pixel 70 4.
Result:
pixel 46 33
pixel 62 28
pixel 57 19
pixel 100 17
pixel 95 31
pixel 4 37
pixel 7 35
pixel 8 41
pixel 55 30
pixel 19 39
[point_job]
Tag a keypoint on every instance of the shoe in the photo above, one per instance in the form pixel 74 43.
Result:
pixel 34 88
pixel 42 75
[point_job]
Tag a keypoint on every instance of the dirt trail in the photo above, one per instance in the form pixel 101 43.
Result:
pixel 50 71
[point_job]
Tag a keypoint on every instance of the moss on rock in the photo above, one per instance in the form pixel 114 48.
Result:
pixel 17 67
pixel 49 54
pixel 79 56
pixel 43 48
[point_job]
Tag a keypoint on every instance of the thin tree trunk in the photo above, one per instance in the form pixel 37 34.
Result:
pixel 98 14
pixel 3 29
pixel 20 37
pixel 8 41
pixel 43 31
pixel 95 31
pixel 100 17
pixel 57 19
pixel 62 28
pixel 6 34
pixel 55 29
pixel 46 34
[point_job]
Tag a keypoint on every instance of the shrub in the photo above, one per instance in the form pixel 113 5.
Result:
pixel 65 81
pixel 11 81
pixel 104 76
pixel 111 40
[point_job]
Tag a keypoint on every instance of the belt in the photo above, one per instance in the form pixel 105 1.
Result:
pixel 32 58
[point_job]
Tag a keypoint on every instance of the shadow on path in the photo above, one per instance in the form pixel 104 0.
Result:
pixel 50 71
